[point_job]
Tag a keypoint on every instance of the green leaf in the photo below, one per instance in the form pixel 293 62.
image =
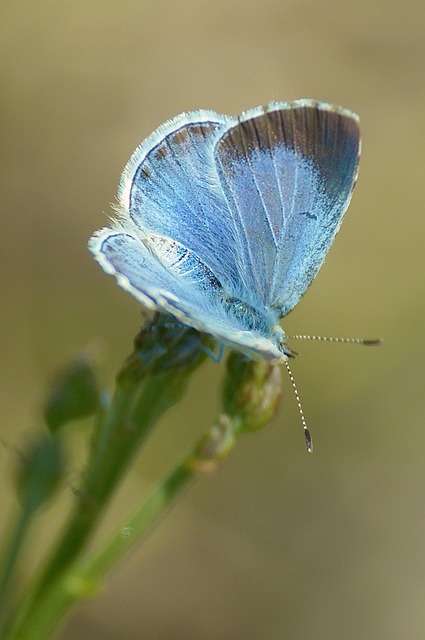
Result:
pixel 251 392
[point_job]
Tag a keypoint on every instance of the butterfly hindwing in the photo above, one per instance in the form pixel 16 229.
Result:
pixel 179 284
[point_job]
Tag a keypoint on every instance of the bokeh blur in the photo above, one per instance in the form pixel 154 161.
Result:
pixel 280 544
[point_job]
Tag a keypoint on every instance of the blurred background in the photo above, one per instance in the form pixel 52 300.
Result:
pixel 279 544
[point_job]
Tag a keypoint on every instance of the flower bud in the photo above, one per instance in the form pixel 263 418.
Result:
pixel 74 394
pixel 213 448
pixel 252 390
pixel 39 473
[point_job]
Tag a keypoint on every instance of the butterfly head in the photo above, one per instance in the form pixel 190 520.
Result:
pixel 278 339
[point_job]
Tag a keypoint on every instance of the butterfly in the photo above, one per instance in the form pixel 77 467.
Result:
pixel 223 222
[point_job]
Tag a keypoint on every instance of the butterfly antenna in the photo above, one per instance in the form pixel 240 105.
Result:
pixel 307 436
pixel 362 341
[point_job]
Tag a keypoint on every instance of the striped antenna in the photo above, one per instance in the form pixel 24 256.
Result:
pixel 307 436
pixel 367 343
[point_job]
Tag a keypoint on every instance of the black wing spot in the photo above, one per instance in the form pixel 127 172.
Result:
pixel 308 214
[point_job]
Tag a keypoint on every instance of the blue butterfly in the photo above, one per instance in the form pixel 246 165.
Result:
pixel 224 222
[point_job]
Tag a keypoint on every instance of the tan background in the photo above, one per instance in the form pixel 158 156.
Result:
pixel 280 544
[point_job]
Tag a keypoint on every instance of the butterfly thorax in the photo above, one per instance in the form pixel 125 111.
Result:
pixel 248 316
pixel 260 320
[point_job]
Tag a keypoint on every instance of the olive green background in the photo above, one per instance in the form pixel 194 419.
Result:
pixel 280 544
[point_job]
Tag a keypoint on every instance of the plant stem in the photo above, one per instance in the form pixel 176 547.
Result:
pixel 13 548
pixel 96 564
pixel 84 576
pixel 133 412
pixel 147 386
pixel 138 402
pixel 82 579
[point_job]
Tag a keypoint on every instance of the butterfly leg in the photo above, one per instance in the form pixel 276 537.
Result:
pixel 216 358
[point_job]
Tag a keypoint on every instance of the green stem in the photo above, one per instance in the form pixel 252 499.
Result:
pixel 250 399
pixel 11 555
pixel 134 410
pixel 100 480
pixel 94 567
pixel 133 413
pixel 83 578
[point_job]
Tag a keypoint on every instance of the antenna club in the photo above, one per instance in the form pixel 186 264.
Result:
pixel 307 436
pixel 308 440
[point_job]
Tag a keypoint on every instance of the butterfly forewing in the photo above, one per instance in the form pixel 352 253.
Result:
pixel 287 171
